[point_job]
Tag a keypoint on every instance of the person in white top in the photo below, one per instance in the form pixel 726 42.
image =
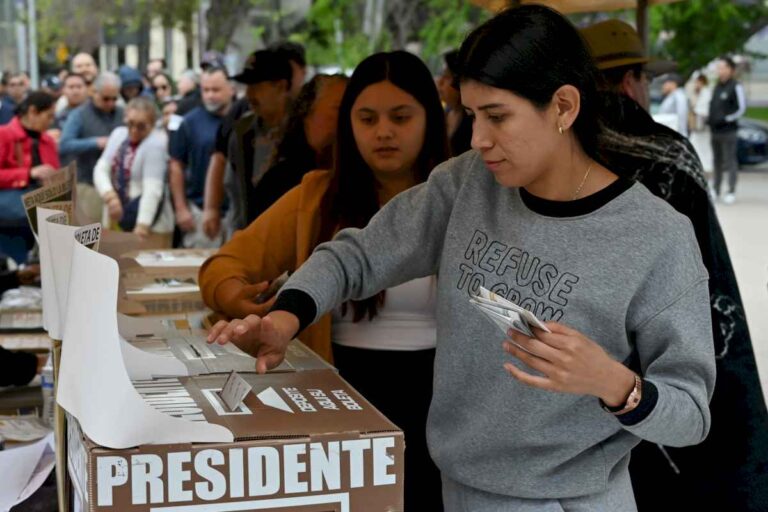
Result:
pixel 700 136
pixel 675 102
pixel 391 133
pixel 130 175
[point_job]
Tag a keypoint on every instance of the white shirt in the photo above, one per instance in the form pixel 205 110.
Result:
pixel 677 103
pixel 405 322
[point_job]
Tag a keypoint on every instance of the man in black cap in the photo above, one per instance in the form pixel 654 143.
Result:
pixel 296 56
pixel 267 76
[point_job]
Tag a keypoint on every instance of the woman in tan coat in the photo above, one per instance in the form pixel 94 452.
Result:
pixel 391 133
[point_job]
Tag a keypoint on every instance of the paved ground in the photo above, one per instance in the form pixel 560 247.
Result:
pixel 745 224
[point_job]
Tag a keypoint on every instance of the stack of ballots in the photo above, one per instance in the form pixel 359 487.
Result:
pixel 506 314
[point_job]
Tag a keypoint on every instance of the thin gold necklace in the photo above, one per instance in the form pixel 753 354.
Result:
pixel 583 181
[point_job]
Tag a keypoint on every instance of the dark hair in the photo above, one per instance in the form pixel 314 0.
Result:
pixel 292 51
pixel 451 59
pixel 673 77
pixel 701 77
pixel 10 75
pixel 611 78
pixel 74 75
pixel 294 146
pixel 212 70
pixel 352 197
pixel 728 61
pixel 41 100
pixel 532 51
pixel 168 78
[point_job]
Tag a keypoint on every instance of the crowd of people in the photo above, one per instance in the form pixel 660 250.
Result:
pixel 709 117
pixel 391 197
pixel 143 143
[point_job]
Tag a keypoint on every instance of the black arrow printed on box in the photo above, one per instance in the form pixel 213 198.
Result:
pixel 234 391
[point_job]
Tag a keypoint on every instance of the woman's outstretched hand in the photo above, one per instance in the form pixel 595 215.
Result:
pixel 265 338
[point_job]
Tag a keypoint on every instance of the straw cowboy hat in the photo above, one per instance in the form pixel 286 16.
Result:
pixel 616 44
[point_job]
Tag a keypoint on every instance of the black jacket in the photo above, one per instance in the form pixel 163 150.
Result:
pixel 729 470
pixel 16 368
pixel 724 102
pixel 281 176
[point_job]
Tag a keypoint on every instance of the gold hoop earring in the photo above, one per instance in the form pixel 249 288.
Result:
pixel 560 129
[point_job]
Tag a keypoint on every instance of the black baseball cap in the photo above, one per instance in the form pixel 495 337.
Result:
pixel 265 66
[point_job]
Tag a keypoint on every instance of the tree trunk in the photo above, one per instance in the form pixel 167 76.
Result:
pixel 222 17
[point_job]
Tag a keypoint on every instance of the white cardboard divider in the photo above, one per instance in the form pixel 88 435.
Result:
pixel 94 385
pixel 60 240
pixel 141 365
pixel 51 321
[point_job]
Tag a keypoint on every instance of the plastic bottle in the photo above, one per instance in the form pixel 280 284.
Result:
pixel 47 386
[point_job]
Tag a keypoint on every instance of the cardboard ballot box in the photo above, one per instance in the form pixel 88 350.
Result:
pixel 303 441
pixel 159 262
pixel 175 290
pixel 18 320
pixel 147 326
pixel 173 338
pixel 161 281
pixel 143 434
pixel 202 358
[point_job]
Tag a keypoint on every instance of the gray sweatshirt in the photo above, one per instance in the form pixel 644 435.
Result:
pixel 621 267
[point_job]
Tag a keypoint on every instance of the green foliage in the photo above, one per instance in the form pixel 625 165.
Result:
pixel 449 21
pixel 760 113
pixel 86 18
pixel 333 34
pixel 333 31
pixel 694 32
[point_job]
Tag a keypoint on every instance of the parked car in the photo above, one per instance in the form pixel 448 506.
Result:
pixel 753 142
pixel 752 146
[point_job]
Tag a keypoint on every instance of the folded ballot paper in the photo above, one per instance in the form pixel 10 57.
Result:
pixel 506 314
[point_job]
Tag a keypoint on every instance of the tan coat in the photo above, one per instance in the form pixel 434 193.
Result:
pixel 279 240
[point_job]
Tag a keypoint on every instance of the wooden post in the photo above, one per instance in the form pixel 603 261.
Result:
pixel 642 22
pixel 60 435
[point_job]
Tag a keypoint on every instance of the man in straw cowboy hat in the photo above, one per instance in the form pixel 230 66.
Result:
pixel 727 471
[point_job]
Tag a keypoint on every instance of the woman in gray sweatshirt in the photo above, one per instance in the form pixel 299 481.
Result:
pixel 544 422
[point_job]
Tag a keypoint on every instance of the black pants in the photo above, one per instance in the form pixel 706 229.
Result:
pixel 726 160
pixel 399 384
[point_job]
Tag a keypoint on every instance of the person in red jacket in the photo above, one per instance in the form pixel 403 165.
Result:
pixel 27 153
pixel 28 157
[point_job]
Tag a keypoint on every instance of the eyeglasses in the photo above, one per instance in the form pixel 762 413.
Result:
pixel 135 125
pixel 108 98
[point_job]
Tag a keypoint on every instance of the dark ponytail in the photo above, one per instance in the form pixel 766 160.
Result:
pixel 532 51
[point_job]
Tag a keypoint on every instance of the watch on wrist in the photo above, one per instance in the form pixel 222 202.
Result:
pixel 632 400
